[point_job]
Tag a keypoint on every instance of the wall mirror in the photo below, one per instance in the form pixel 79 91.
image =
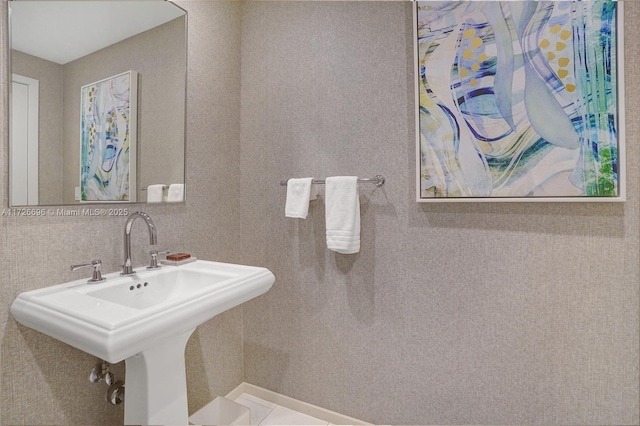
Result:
pixel 97 101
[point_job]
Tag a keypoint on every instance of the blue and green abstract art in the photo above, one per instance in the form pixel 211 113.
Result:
pixel 108 143
pixel 518 99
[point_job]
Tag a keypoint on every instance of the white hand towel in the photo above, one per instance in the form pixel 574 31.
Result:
pixel 176 193
pixel 155 193
pixel 342 214
pixel 299 193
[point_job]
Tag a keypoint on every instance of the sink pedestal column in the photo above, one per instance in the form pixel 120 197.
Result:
pixel 156 384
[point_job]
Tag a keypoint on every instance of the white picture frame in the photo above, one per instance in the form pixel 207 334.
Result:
pixel 457 29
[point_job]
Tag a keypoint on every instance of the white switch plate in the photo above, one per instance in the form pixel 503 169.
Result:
pixel 77 193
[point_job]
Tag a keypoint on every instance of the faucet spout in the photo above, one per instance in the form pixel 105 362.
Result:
pixel 127 267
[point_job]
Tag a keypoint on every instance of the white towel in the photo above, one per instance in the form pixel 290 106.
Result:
pixel 176 193
pixel 342 214
pixel 155 193
pixel 299 193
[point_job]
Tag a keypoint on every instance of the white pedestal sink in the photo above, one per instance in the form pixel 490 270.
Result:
pixel 145 319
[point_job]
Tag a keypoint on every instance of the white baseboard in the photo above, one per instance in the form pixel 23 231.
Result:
pixel 294 404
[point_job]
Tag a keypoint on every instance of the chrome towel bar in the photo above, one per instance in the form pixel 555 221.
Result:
pixel 144 188
pixel 378 180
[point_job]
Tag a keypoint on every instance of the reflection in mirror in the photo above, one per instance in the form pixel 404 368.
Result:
pixel 59 47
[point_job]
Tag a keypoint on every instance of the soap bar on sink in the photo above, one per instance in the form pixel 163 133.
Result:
pixel 178 256
pixel 179 262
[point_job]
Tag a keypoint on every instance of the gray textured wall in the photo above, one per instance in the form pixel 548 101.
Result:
pixel 44 381
pixel 450 314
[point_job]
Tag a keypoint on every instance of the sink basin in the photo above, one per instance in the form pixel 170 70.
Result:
pixel 145 319
pixel 160 288
pixel 124 315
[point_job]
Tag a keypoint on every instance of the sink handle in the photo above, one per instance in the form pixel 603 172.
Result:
pixel 153 264
pixel 95 264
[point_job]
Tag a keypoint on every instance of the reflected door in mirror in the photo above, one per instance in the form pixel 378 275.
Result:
pixel 23 146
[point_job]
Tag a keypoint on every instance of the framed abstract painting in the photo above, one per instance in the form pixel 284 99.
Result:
pixel 519 101
pixel 108 121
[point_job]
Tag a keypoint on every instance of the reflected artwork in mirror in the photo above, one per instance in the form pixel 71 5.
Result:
pixel 108 146
pixel 57 48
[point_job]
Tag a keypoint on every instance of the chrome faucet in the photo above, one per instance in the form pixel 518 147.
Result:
pixel 127 268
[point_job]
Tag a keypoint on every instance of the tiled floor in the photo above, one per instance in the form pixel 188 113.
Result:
pixel 267 413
